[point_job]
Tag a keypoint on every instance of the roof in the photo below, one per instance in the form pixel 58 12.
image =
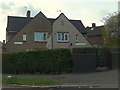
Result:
pixel 15 24
pixel 94 31
pixel 79 25
pixel 51 20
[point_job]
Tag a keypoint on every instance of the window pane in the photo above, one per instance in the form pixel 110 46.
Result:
pixel 24 37
pixel 35 36
pixel 46 36
pixel 59 36
pixel 41 36
pixel 76 38
pixel 66 37
pixel 62 36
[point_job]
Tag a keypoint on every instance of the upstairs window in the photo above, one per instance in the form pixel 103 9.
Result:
pixel 40 36
pixel 76 38
pixel 62 37
pixel 24 37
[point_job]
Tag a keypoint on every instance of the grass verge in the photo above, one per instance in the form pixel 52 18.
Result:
pixel 29 81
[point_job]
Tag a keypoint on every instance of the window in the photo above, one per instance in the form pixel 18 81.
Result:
pixel 24 37
pixel 63 37
pixel 59 36
pixel 40 36
pixel 76 38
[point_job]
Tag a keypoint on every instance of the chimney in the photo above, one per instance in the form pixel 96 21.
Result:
pixel 93 25
pixel 28 13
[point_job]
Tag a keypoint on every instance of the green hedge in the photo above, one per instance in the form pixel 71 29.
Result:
pixel 102 56
pixel 84 50
pixel 50 61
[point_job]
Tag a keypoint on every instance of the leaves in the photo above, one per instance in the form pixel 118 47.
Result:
pixel 111 33
pixel 50 61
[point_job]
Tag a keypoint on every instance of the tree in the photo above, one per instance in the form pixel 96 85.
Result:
pixel 111 33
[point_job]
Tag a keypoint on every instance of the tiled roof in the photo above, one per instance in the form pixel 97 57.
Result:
pixel 96 31
pixel 79 25
pixel 15 24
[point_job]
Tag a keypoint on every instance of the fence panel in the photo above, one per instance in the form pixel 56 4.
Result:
pixel 84 63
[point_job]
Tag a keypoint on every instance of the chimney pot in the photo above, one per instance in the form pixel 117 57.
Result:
pixel 28 13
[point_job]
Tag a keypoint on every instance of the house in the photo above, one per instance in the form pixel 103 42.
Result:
pixel 66 35
pixel 94 35
pixel 39 32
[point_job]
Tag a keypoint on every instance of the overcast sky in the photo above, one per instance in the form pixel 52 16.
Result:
pixel 89 11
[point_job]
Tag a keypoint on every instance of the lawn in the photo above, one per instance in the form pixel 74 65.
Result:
pixel 29 81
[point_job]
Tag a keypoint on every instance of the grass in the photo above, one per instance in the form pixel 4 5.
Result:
pixel 29 81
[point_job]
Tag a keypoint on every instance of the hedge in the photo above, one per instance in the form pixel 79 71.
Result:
pixel 102 56
pixel 85 50
pixel 49 61
pixel 53 61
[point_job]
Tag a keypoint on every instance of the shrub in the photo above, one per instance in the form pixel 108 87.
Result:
pixel 103 56
pixel 49 61
pixel 85 50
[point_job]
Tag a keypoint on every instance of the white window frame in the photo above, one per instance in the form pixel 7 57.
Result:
pixel 80 43
pixel 24 37
pixel 39 36
pixel 61 37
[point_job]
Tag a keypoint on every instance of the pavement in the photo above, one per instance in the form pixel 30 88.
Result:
pixel 60 89
pixel 104 79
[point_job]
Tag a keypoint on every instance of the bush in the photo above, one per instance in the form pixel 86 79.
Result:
pixel 49 61
pixel 84 50
pixel 103 56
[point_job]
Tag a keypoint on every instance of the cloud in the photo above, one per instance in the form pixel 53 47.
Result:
pixel 6 6
pixel 22 9
pixel 85 10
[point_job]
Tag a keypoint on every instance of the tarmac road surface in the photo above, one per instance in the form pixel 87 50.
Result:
pixel 105 79
pixel 60 88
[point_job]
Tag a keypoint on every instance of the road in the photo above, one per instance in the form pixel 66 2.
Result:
pixel 61 89
pixel 104 79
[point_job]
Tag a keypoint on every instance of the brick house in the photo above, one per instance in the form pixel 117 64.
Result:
pixel 39 32
pixel 94 35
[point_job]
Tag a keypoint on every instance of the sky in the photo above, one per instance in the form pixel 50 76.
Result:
pixel 88 11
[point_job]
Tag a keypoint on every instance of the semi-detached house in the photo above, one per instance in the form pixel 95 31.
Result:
pixel 39 32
